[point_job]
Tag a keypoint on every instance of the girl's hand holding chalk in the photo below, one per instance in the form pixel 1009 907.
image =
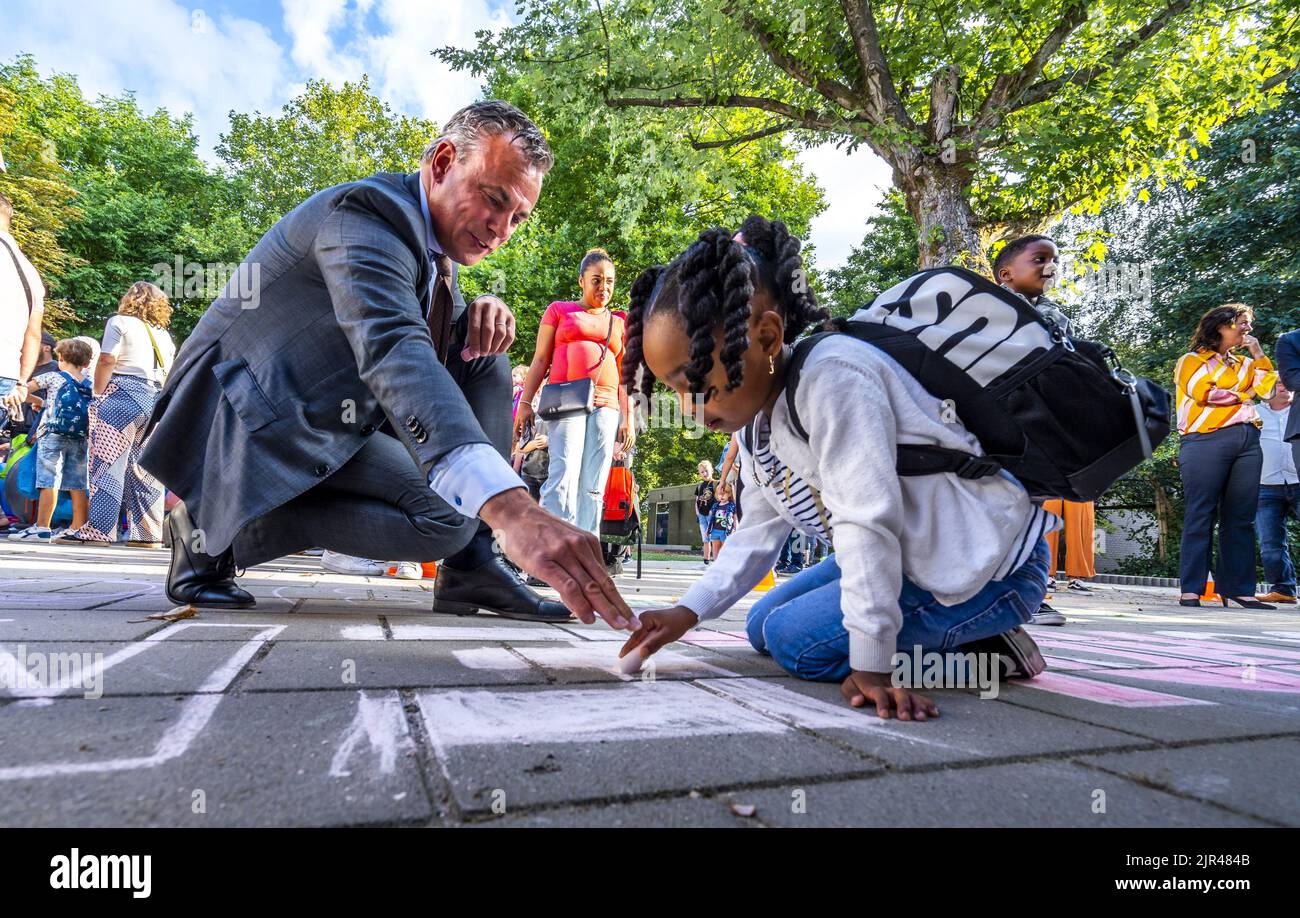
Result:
pixel 657 628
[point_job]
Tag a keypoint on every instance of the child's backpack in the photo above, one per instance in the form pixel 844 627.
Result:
pixel 70 413
pixel 1059 414
pixel 620 517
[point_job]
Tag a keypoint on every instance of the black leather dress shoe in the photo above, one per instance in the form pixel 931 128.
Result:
pixel 494 588
pixel 195 578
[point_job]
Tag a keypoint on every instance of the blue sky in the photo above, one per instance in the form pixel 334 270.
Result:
pixel 210 56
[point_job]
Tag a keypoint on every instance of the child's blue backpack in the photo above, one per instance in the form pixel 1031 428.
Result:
pixel 69 415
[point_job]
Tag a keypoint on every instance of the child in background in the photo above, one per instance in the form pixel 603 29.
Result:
pixel 62 452
pixel 723 518
pixel 946 563
pixel 1027 267
pixel 705 497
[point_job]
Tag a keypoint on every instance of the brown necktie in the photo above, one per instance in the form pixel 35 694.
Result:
pixel 441 308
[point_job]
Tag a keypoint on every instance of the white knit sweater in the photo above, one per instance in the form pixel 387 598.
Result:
pixel 949 535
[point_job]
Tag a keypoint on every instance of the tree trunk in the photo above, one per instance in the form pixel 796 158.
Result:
pixel 937 197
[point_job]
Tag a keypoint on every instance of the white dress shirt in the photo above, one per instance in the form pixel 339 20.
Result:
pixel 1279 460
pixel 468 476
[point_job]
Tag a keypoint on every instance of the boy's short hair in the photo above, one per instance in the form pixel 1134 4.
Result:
pixel 74 351
pixel 1014 248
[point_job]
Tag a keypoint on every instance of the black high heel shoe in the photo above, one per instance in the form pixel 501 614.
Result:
pixel 1248 603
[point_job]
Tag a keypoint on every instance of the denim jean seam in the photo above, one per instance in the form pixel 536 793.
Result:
pixel 1013 595
pixel 798 661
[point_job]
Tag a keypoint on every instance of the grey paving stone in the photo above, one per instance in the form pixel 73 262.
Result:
pixel 59 625
pixel 1230 714
pixel 379 664
pixel 143 667
pixel 294 759
pixel 552 745
pixel 157 601
pixel 968 728
pixel 674 812
pixel 121 598
pixel 1243 776
pixel 1055 794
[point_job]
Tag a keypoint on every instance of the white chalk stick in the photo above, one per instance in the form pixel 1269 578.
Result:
pixel 631 663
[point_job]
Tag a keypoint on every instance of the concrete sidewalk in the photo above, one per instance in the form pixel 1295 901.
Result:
pixel 342 701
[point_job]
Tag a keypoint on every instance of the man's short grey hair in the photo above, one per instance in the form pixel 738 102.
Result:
pixel 492 118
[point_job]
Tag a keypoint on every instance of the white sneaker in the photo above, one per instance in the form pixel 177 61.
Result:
pixel 31 534
pixel 340 563
pixel 406 570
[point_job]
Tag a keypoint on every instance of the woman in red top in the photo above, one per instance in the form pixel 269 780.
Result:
pixel 571 343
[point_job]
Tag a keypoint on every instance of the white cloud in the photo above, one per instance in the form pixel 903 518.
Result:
pixel 855 183
pixel 163 52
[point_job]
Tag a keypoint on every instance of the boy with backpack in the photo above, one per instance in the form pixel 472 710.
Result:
pixel 62 454
pixel 1027 266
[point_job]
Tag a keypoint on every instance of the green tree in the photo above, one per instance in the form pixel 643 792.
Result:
pixel 1232 236
pixel 995 117
pixel 887 255
pixel 613 190
pixel 323 137
pixel 38 186
pixel 143 197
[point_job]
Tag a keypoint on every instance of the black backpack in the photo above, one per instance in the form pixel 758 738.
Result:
pixel 1060 414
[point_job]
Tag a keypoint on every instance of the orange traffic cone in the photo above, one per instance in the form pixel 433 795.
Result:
pixel 768 581
pixel 430 569
pixel 1209 593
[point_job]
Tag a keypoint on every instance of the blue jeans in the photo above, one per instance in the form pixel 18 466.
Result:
pixel 61 462
pixel 581 447
pixel 1276 503
pixel 799 623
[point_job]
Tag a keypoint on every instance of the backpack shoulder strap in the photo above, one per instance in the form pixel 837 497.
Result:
pixel 22 276
pixel 913 459
pixel 802 349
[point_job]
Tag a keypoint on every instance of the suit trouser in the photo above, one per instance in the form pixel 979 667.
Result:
pixel 379 503
pixel 1220 473
pixel 1079 525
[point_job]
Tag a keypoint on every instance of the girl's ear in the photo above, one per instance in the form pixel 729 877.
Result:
pixel 770 332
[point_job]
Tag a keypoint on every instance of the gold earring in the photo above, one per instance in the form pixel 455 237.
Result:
pixel 771 365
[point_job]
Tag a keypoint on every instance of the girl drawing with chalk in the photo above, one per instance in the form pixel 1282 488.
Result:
pixel 935 560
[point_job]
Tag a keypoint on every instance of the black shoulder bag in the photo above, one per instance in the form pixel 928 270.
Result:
pixel 577 396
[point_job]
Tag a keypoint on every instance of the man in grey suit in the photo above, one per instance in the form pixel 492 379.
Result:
pixel 341 394
pixel 1288 367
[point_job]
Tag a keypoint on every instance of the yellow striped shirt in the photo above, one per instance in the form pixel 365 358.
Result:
pixel 1198 375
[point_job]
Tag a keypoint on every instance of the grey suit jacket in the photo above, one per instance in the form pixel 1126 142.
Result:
pixel 274 392
pixel 1288 367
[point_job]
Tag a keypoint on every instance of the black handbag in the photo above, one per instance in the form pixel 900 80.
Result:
pixel 577 396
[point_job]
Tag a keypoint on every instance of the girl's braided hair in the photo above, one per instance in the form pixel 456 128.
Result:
pixel 711 283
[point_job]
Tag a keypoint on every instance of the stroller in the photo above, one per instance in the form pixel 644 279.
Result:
pixel 620 523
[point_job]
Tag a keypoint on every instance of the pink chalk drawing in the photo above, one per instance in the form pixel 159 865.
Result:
pixel 1199 659
pixel 1107 692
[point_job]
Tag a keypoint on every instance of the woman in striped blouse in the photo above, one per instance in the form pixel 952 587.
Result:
pixel 1219 456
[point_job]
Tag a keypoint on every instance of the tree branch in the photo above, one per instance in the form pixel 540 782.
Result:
pixel 1045 89
pixel 779 128
pixel 831 90
pixel 876 80
pixel 1010 85
pixel 803 117
pixel 1280 77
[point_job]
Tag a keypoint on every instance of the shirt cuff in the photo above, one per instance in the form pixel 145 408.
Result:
pixel 468 476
